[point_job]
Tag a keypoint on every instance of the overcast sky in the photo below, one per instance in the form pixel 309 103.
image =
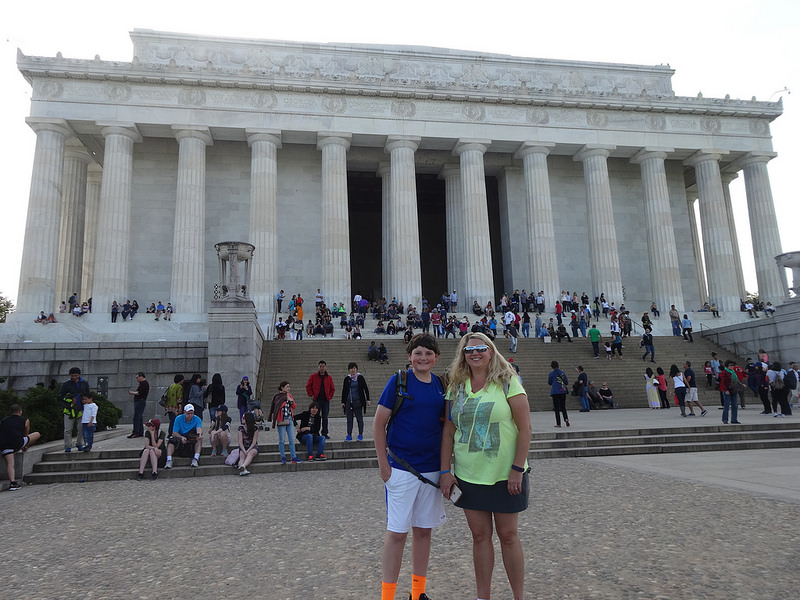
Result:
pixel 742 48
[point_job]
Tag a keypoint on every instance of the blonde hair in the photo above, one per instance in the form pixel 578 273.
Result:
pixel 500 370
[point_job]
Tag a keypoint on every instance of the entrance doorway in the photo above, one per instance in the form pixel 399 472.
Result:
pixel 364 193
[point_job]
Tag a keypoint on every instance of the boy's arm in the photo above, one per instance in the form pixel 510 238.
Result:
pixel 382 415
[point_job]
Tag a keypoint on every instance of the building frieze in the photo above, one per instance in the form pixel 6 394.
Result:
pixel 393 72
pixel 307 103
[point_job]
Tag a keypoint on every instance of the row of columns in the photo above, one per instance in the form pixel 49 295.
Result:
pixel 65 187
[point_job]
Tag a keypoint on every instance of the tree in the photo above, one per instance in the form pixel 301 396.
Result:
pixel 6 308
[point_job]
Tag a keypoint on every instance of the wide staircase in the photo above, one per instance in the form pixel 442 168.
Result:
pixel 294 361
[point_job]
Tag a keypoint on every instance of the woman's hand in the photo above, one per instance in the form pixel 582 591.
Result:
pixel 514 483
pixel 446 481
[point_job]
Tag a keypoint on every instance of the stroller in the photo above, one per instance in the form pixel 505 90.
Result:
pixel 254 406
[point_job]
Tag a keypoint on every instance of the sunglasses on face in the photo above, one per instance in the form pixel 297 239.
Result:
pixel 478 349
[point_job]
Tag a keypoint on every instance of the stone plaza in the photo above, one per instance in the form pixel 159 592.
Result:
pixel 715 525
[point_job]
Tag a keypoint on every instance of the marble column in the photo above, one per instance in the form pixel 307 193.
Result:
pixel 335 236
pixel 543 263
pixel 94 178
pixel 697 248
pixel 113 217
pixel 404 279
pixel 73 211
pixel 772 285
pixel 454 226
pixel 737 257
pixel 717 243
pixel 385 173
pixel 603 251
pixel 662 251
pixel 37 279
pixel 264 146
pixel 189 249
pixel 478 273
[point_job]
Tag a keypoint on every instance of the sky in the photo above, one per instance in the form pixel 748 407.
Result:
pixel 732 47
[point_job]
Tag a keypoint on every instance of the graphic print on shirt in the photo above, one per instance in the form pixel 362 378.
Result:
pixel 477 430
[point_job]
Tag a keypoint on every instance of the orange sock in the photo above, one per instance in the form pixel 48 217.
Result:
pixel 387 590
pixel 417 586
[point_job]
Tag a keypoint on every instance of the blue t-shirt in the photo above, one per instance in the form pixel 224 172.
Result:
pixel 416 431
pixel 181 427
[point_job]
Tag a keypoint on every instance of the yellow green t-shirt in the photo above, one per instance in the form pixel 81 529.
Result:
pixel 485 441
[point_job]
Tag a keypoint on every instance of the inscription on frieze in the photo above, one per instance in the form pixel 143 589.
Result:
pixel 683 124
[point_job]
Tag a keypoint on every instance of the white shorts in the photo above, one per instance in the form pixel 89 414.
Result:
pixel 691 395
pixel 412 503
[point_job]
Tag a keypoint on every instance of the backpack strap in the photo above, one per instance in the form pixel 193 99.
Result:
pixel 401 392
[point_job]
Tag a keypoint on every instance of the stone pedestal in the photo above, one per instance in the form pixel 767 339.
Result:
pixel 234 342
pixel 234 335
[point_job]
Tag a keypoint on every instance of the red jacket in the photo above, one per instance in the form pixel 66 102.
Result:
pixel 315 382
pixel 725 378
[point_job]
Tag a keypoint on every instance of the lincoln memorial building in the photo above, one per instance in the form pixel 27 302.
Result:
pixel 395 171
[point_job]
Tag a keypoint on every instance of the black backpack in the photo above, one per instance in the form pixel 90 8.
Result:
pixel 790 379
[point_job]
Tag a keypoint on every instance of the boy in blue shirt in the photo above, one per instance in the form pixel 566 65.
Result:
pixel 187 436
pixel 408 455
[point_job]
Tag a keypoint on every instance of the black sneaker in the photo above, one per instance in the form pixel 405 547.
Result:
pixel 154 475
pixel 13 486
pixel 140 476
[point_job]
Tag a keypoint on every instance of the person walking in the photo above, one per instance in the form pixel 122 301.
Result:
pixel 557 380
pixel 647 344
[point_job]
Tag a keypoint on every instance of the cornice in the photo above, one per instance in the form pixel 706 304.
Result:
pixel 386 84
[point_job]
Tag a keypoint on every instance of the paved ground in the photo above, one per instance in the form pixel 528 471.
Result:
pixel 666 527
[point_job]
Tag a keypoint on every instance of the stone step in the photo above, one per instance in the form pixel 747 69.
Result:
pixel 710 446
pixel 295 361
pixel 123 464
